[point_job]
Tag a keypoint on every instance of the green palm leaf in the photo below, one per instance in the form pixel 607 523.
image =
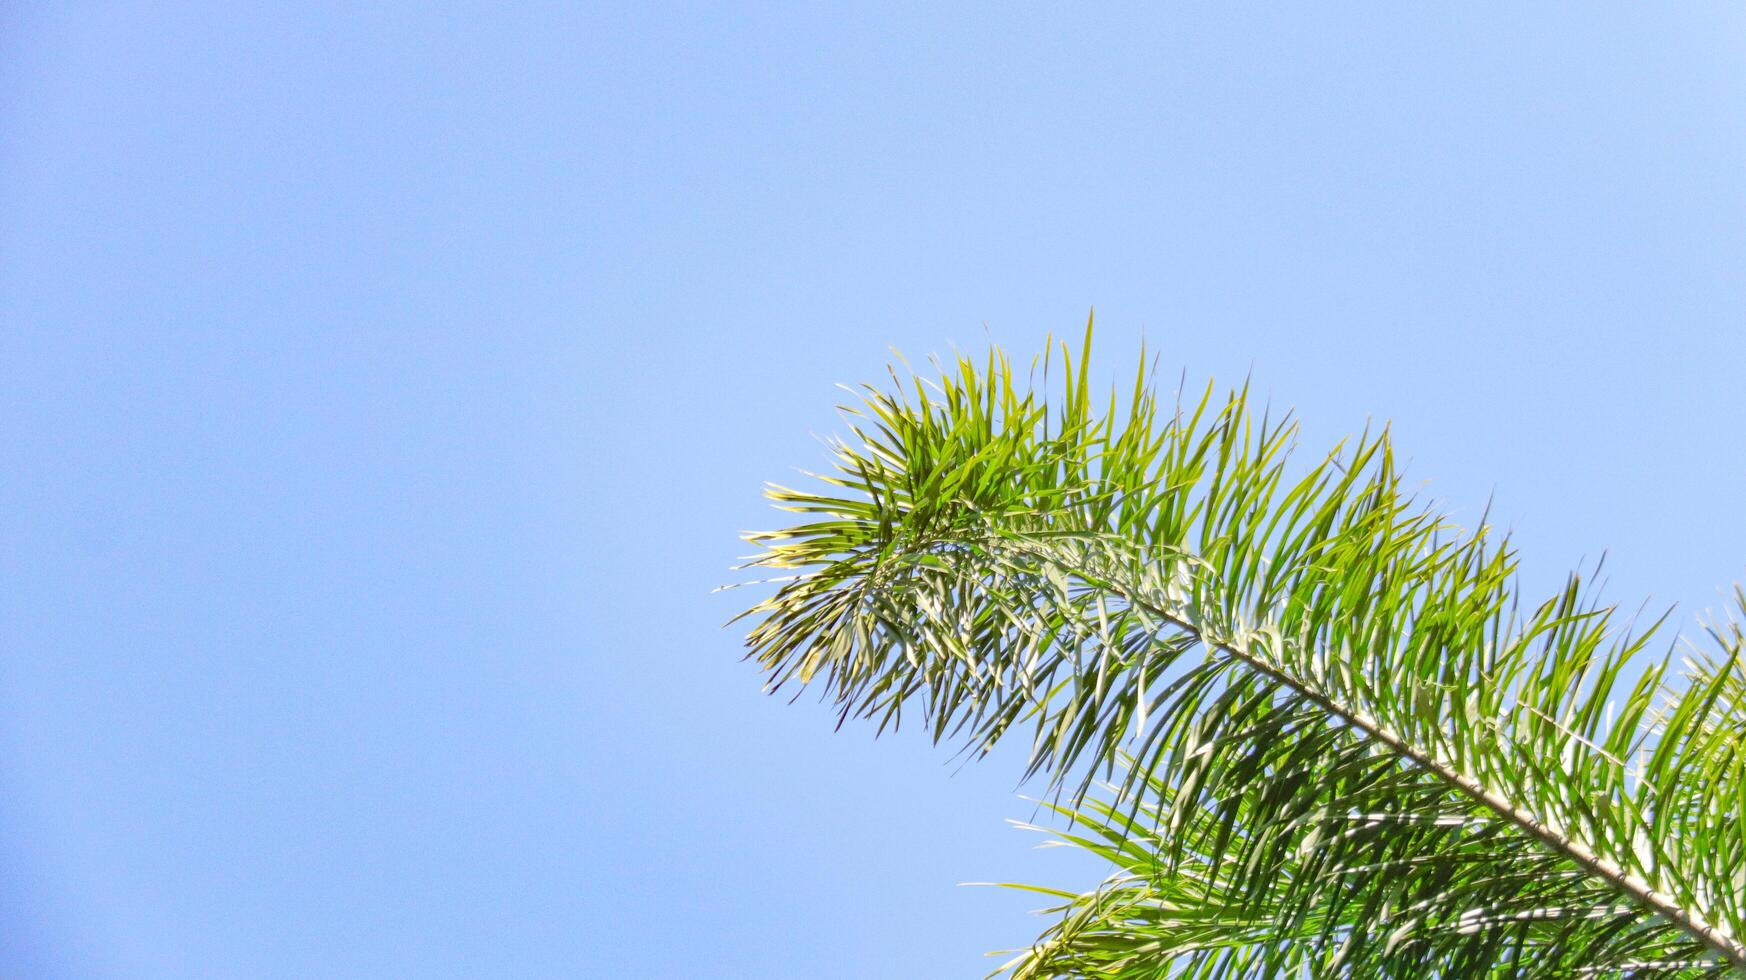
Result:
pixel 1314 727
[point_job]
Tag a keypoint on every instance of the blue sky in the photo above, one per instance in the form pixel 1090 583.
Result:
pixel 382 391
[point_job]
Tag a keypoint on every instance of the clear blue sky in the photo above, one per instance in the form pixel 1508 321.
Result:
pixel 381 394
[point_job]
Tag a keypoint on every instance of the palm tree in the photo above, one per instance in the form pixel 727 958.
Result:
pixel 1314 728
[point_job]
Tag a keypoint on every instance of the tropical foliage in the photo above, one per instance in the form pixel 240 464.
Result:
pixel 1314 728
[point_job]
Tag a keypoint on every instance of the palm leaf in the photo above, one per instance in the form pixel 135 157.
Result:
pixel 1336 739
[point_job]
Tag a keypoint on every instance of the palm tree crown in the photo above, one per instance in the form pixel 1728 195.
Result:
pixel 1314 728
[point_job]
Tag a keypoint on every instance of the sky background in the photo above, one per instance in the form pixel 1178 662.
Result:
pixel 382 392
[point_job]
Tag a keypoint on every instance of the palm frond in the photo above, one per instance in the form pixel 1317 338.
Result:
pixel 1338 740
